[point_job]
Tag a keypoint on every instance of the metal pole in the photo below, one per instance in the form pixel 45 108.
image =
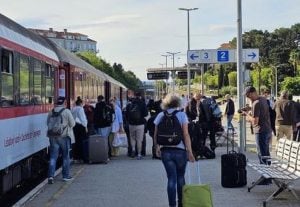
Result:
pixel 173 71
pixel 188 37
pixel 276 83
pixel 166 56
pixel 188 67
pixel 202 79
pixel 240 76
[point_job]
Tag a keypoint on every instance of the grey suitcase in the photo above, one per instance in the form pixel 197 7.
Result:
pixel 98 149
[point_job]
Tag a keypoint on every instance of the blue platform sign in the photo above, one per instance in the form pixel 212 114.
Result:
pixel 223 55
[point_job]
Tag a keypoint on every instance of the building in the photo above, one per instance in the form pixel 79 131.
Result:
pixel 73 42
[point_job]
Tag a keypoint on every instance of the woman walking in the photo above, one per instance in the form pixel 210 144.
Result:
pixel 174 157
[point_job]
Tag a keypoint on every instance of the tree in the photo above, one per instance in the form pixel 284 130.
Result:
pixel 232 78
pixel 292 84
pixel 116 71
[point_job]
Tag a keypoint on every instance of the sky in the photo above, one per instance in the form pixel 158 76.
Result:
pixel 136 33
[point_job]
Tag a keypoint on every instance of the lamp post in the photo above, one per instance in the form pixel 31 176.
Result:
pixel 188 35
pixel 166 56
pixel 173 71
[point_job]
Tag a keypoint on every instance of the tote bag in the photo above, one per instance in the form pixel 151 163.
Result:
pixel 120 140
pixel 197 194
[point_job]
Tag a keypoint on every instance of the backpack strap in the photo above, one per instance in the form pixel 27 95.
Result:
pixel 173 113
pixel 59 114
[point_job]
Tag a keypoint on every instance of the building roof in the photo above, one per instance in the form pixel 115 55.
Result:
pixel 61 35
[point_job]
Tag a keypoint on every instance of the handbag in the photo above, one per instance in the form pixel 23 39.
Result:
pixel 120 140
pixel 196 195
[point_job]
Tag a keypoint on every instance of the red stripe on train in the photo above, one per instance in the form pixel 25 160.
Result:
pixel 18 111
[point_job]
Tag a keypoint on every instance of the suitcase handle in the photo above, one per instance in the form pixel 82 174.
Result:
pixel 232 141
pixel 197 170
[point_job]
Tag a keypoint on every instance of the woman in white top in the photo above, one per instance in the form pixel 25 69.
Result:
pixel 116 127
pixel 80 131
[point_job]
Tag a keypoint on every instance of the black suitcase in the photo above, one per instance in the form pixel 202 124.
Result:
pixel 233 167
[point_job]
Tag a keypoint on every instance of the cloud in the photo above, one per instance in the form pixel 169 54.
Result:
pixel 115 20
pixel 222 28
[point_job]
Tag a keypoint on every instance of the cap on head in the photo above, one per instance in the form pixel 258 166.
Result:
pixel 249 89
pixel 60 100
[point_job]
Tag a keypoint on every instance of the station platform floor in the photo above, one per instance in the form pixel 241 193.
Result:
pixel 127 182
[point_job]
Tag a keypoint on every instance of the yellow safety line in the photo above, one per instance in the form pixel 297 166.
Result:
pixel 62 189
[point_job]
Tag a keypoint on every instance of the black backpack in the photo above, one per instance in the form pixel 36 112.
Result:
pixel 207 108
pixel 135 113
pixel 107 114
pixel 169 130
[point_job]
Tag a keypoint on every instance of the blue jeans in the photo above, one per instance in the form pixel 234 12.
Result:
pixel 262 145
pixel 174 161
pixel 229 120
pixel 56 144
pixel 104 132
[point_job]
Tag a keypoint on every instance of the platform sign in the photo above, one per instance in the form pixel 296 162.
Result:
pixel 183 74
pixel 221 56
pixel 251 55
pixel 158 76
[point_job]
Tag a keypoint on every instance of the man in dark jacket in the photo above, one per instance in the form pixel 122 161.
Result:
pixel 103 117
pixel 229 111
pixel 285 115
pixel 136 111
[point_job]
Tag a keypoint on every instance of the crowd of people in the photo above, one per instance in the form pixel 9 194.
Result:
pixel 197 119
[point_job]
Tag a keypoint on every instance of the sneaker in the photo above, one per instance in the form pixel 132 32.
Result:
pixel 139 157
pixel 67 179
pixel 50 180
pixel 132 154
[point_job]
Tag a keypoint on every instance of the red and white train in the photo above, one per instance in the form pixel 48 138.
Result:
pixel 33 72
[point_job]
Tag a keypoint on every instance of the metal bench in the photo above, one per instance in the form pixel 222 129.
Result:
pixel 283 171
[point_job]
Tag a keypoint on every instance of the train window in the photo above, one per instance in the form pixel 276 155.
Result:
pixel 49 77
pixel 37 83
pixel 24 80
pixel 7 62
pixel 7 83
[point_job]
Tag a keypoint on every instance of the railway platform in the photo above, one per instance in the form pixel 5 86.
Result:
pixel 129 182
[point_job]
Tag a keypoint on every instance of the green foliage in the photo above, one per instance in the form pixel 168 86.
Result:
pixel 266 77
pixel 211 81
pixel 128 78
pixel 228 90
pixel 292 84
pixel 232 78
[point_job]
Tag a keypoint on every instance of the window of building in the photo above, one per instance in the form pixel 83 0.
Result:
pixel 24 80
pixel 7 83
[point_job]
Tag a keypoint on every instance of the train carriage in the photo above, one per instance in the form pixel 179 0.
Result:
pixel 33 72
pixel 26 92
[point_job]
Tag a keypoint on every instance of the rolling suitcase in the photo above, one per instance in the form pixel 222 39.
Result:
pixel 98 149
pixel 233 167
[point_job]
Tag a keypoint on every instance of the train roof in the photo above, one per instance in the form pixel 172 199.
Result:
pixel 71 58
pixel 20 36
